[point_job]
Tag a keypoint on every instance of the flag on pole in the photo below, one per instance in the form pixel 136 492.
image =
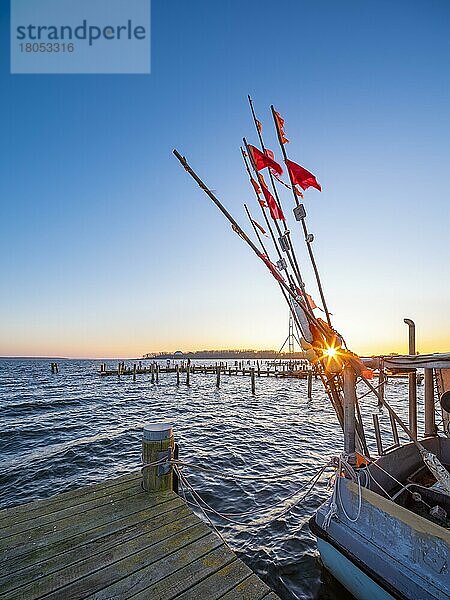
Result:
pixel 301 176
pixel 258 125
pixel 261 160
pixel 280 124
pixel 255 185
pixel 275 210
pixel 262 230
pixel 272 268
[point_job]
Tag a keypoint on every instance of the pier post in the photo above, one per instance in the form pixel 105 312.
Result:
pixel 349 410
pixel 157 373
pixel 310 382
pixel 258 368
pixel 157 445
pixel 152 369
pixel 177 369
pixel 252 376
pixel 381 384
pixel 134 372
pixel 430 426
pixel 412 378
pixel 188 373
pixel 118 370
pixel 218 377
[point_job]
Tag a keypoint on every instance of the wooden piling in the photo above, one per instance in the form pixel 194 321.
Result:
pixel 218 377
pixel 252 376
pixel 188 374
pixel 134 372
pixel 157 373
pixel 310 382
pixel 177 369
pixel 152 370
pixel 157 445
pixel 118 369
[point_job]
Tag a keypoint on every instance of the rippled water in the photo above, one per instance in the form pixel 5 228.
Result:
pixel 75 428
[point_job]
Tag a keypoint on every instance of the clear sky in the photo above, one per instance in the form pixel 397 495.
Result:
pixel 109 249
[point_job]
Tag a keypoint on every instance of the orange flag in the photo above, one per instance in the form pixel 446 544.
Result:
pixel 255 186
pixel 280 124
pixel 262 230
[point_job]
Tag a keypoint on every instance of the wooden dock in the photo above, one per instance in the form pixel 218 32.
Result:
pixel 113 540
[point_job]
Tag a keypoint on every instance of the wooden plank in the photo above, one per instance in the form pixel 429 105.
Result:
pixel 39 553
pixel 17 524
pixel 158 572
pixel 187 576
pixel 102 576
pixel 44 505
pixel 64 529
pixel 219 583
pixel 252 588
pixel 147 522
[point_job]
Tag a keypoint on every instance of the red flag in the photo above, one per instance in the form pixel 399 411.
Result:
pixel 301 176
pixel 258 125
pixel 275 210
pixel 262 161
pixel 280 124
pixel 272 268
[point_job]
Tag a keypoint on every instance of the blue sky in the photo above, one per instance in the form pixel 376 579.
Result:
pixel 109 249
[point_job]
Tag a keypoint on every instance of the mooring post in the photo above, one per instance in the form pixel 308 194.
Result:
pixel 258 368
pixel 157 373
pixel 157 447
pixel 188 373
pixel 118 370
pixel 134 372
pixel 52 367
pixel 430 426
pixel 381 384
pixel 252 376
pixel 349 411
pixel 218 377
pixel 152 370
pixel 177 369
pixel 310 382
pixel 412 378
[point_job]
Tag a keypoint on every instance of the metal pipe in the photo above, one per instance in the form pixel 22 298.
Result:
pixel 349 410
pixel 412 378
pixel 430 427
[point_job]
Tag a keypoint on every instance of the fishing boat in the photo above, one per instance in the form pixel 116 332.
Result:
pixel 384 531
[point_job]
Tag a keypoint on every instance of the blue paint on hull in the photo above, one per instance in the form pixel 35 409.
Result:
pixel 347 573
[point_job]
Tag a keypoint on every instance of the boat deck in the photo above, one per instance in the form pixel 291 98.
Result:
pixel 113 540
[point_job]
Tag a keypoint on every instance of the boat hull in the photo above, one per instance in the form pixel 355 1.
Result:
pixel 349 575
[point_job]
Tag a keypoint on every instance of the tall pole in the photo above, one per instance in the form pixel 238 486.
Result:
pixel 412 377
pixel 244 236
pixel 292 262
pixel 266 219
pixel 287 233
pixel 308 239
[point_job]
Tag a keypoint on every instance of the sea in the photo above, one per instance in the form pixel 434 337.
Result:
pixel 244 453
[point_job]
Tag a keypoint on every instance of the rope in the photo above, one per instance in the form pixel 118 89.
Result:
pixel 262 521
